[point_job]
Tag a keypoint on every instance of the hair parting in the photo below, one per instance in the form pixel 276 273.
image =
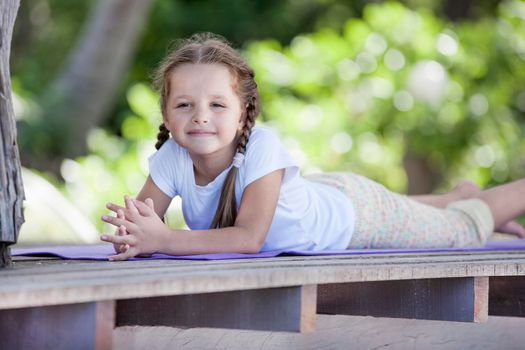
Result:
pixel 207 48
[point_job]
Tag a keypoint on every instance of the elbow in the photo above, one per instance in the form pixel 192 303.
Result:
pixel 257 242
pixel 252 246
pixel 250 249
pixel 253 240
pixel 255 248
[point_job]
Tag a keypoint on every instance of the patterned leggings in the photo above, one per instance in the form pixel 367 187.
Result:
pixel 385 219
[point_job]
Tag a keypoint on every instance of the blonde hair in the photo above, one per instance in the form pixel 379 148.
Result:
pixel 207 48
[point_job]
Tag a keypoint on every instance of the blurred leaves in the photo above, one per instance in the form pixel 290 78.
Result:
pixel 400 80
pixel 117 165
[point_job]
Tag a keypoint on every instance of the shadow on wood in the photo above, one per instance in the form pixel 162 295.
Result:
pixel 277 309
pixel 507 296
pixel 448 299
pixel 70 326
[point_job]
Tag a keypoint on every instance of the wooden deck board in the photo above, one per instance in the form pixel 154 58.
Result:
pixel 50 282
pixel 336 333
pixel 285 286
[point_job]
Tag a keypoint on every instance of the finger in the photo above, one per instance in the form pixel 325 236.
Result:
pixel 118 248
pixel 143 208
pixel 130 205
pixel 149 203
pixel 131 216
pixel 129 225
pixel 126 239
pixel 131 212
pixel 122 230
pixel 123 248
pixel 113 220
pixel 114 207
pixel 120 257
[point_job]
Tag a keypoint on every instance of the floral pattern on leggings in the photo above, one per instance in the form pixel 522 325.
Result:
pixel 386 219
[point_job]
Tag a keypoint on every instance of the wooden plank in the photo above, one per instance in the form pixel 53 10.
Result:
pixel 72 326
pixel 42 269
pixel 104 324
pixel 45 266
pixel 24 263
pixel 277 309
pixel 481 299
pixel 50 282
pixel 507 296
pixel 336 332
pixel 449 299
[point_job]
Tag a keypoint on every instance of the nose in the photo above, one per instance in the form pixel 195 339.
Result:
pixel 200 116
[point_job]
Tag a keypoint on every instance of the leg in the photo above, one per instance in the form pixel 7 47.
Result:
pixel 390 220
pixel 464 190
pixel 506 202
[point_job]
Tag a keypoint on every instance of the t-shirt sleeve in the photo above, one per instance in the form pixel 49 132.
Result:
pixel 162 169
pixel 264 154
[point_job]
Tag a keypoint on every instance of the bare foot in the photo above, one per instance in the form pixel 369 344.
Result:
pixel 513 228
pixel 466 189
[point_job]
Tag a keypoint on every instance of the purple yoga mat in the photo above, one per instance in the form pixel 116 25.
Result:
pixel 102 251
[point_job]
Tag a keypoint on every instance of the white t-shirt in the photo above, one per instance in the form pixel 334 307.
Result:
pixel 309 215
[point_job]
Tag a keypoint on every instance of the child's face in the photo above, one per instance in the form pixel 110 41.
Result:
pixel 203 112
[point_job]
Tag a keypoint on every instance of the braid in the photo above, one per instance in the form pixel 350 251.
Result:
pixel 251 114
pixel 226 213
pixel 162 136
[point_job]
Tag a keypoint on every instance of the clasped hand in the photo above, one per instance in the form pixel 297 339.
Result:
pixel 140 231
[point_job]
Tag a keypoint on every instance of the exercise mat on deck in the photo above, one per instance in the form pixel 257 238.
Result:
pixel 103 251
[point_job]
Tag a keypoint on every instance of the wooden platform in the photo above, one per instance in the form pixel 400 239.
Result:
pixel 336 332
pixel 81 302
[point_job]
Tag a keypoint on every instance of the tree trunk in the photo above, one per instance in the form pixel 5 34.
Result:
pixel 11 189
pixel 83 92
pixel 457 10
pixel 422 179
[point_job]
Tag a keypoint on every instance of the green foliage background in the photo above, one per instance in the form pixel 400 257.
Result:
pixel 355 93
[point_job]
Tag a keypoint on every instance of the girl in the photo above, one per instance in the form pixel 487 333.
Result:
pixel 241 190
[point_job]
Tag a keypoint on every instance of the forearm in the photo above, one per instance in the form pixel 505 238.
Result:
pixel 224 240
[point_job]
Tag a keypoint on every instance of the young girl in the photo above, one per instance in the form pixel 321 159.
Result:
pixel 242 192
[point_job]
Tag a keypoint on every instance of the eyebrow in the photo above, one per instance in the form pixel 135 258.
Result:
pixel 222 97
pixel 180 96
